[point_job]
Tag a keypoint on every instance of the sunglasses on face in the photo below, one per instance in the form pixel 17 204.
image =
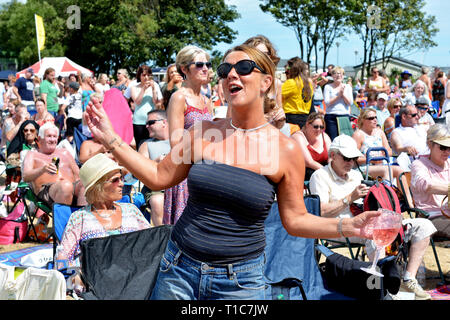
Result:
pixel 116 179
pixel 422 108
pixel 317 126
pixel 412 115
pixel 348 159
pixel 371 118
pixel 443 148
pixel 152 122
pixel 243 68
pixel 200 64
pixel 29 130
pixel 397 106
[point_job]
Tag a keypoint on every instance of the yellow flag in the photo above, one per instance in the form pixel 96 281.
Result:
pixel 40 32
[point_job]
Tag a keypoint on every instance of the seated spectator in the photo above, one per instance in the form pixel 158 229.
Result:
pixel 430 178
pixel 393 106
pixel 381 110
pixel 53 172
pixel 314 143
pixel 156 148
pixel 25 140
pixel 408 138
pixel 425 119
pixel 369 135
pixel 338 186
pixel 42 115
pixel 11 125
pixel 103 215
pixel 418 90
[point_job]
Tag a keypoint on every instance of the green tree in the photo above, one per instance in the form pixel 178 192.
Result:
pixel 18 30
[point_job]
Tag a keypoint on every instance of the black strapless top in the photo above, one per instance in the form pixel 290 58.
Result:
pixel 223 221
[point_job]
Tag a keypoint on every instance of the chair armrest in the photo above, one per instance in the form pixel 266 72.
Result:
pixel 323 250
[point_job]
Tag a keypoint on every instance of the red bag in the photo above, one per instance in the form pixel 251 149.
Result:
pixel 13 228
pixel 384 196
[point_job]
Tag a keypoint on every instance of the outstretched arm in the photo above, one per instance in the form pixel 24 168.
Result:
pixel 157 176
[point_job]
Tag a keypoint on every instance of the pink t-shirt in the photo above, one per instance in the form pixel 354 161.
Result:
pixel 423 171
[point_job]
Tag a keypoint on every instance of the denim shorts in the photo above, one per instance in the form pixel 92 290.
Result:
pixel 184 278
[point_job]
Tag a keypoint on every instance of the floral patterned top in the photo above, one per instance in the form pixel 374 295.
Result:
pixel 83 225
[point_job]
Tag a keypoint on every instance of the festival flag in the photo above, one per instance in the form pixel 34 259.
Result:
pixel 40 32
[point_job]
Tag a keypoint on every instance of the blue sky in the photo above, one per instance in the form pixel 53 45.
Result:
pixel 254 21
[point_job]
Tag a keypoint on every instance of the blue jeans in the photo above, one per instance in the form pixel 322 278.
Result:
pixel 184 278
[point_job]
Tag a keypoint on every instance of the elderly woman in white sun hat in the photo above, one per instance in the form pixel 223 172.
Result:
pixel 103 216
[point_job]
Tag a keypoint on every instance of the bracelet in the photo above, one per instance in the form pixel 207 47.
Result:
pixel 339 228
pixel 113 148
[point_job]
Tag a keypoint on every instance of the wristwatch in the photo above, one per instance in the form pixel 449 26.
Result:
pixel 345 201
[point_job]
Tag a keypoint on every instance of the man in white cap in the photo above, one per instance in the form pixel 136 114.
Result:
pixel 381 108
pixel 52 171
pixel 339 185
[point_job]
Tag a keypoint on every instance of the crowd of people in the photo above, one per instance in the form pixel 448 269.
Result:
pixel 187 153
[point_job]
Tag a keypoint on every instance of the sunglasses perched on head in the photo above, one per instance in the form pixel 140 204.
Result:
pixel 243 68
pixel 200 64
pixel 152 122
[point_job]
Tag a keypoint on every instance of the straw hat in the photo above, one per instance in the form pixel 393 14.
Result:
pixel 95 168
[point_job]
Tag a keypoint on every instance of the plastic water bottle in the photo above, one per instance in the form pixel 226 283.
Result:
pixel 421 275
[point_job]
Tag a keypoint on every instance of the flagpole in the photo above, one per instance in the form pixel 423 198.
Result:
pixel 37 39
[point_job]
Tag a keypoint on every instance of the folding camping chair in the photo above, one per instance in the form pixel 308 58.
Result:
pixel 413 211
pixel 123 266
pixel 32 205
pixel 61 215
pixel 344 126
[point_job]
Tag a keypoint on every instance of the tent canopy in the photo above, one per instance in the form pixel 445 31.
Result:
pixel 63 67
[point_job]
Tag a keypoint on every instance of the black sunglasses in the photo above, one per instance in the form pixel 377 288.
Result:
pixel 348 159
pixel 200 64
pixel 413 115
pixel 152 122
pixel 243 68
pixel 422 108
pixel 443 148
pixel 371 118
pixel 316 126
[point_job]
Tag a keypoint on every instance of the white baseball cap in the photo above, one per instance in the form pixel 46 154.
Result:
pixel 346 145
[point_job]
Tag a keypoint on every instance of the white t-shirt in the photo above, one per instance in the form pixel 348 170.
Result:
pixel 339 107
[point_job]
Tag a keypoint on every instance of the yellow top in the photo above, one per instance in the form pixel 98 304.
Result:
pixel 291 93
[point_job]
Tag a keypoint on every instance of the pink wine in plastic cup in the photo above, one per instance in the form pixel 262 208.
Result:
pixel 384 237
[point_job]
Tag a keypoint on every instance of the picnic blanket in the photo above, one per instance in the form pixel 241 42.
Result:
pixel 13 258
pixel 440 293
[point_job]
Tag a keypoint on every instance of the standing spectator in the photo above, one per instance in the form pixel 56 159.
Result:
pixel 297 92
pixel 102 85
pixel 123 80
pixel 338 99
pixel 172 82
pixel 186 106
pixel 426 79
pixel 405 79
pixel 146 96
pixel 439 85
pixel 49 92
pixel 24 90
pixel 74 109
pixel 446 104
pixel 376 83
pixel 11 94
pixel 37 87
